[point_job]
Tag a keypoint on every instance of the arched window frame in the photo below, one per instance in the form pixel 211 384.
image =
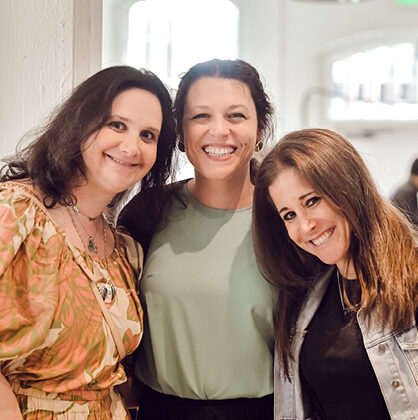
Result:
pixel 349 46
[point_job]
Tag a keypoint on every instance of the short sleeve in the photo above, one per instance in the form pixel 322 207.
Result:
pixel 29 274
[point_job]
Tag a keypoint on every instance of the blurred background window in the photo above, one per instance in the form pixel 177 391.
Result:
pixel 376 84
pixel 169 36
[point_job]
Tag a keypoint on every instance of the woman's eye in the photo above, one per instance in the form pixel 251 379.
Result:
pixel 238 115
pixel 312 201
pixel 289 216
pixel 148 135
pixel 200 116
pixel 117 125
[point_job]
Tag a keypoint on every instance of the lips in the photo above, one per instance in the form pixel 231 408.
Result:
pixel 322 238
pixel 121 162
pixel 219 151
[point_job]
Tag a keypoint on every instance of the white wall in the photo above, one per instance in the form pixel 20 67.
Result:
pixel 48 46
pixel 36 70
pixel 261 42
pixel 45 51
pixel 310 29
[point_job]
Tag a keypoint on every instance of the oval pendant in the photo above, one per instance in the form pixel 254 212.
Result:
pixel 91 246
pixel 107 291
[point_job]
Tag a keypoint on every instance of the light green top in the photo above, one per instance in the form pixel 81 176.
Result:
pixel 208 332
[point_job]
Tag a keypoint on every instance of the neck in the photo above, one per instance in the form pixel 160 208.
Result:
pixel 231 194
pixel 90 204
pixel 346 269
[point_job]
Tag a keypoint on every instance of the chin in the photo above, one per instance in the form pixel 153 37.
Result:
pixel 329 260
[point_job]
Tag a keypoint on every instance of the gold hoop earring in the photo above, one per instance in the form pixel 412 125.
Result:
pixel 259 145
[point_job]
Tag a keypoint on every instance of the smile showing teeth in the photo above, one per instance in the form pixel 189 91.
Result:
pixel 322 238
pixel 218 151
pixel 121 161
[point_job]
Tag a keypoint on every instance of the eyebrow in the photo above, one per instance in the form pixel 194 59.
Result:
pixel 196 109
pixel 238 106
pixel 120 117
pixel 206 107
pixel 302 197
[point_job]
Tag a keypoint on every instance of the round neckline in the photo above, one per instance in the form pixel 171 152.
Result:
pixel 198 204
pixel 345 278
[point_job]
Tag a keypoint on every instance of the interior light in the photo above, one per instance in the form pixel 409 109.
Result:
pixel 407 2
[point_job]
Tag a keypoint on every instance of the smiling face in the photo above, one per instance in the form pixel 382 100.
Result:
pixel 121 153
pixel 219 127
pixel 311 222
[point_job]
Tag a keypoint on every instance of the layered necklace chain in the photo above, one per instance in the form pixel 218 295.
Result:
pixel 107 289
pixel 346 309
pixel 91 245
pixel 77 210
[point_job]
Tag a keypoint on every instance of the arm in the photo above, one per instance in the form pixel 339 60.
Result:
pixel 9 408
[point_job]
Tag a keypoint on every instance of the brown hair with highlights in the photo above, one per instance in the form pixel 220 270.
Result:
pixel 383 245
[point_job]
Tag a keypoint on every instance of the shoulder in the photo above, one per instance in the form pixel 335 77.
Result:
pixel 30 250
pixel 405 191
pixel 19 203
pixel 145 211
pixel 24 219
pixel 320 281
pixel 146 199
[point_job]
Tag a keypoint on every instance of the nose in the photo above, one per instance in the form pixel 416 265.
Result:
pixel 130 144
pixel 219 128
pixel 307 224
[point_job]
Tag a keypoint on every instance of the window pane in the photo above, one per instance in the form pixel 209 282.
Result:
pixel 169 36
pixel 376 84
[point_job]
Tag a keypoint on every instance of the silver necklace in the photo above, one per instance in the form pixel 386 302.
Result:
pixel 77 210
pixel 106 289
pixel 91 245
pixel 346 310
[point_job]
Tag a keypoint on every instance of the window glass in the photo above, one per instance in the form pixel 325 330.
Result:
pixel 169 36
pixel 376 84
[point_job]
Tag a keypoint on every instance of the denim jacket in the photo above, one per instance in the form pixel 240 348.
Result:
pixel 394 358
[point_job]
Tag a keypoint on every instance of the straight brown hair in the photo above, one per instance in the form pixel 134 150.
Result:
pixel 383 245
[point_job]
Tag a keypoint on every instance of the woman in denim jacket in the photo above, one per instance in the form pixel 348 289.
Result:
pixel 345 262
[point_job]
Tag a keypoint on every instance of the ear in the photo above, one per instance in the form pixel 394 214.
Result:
pixel 180 144
pixel 258 145
pixel 259 141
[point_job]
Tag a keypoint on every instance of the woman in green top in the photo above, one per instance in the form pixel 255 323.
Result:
pixel 208 341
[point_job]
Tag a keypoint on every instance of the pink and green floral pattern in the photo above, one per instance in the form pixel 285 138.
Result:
pixel 56 350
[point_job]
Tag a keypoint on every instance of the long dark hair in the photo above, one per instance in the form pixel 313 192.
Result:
pixel 382 247
pixel 53 161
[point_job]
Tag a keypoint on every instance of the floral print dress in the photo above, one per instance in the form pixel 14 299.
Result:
pixel 56 349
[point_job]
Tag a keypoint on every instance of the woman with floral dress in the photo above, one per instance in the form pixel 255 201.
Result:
pixel 69 311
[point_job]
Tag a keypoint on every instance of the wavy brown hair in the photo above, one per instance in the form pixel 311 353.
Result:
pixel 383 245
pixel 54 161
